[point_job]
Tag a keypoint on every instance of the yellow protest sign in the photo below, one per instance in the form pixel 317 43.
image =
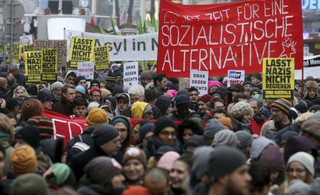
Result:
pixel 278 78
pixel 27 48
pixel 33 66
pixel 49 66
pixel 16 51
pixel 101 57
pixel 81 51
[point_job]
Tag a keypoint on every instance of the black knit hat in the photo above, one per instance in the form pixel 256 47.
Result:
pixel 78 79
pixel 223 161
pixel 45 95
pixel 31 135
pixel 104 133
pixel 11 103
pixel 162 123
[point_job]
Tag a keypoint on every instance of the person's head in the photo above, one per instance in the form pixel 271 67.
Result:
pixel 242 112
pixel 18 91
pixel 70 78
pixel 134 164
pixel 256 78
pixel 180 171
pixel 14 69
pixel 107 137
pixel 216 103
pixel 146 131
pixel 280 109
pixel 3 82
pixel 255 105
pixel 105 171
pixel 182 105
pixel 123 102
pixel 186 129
pixel 151 96
pixel 95 83
pixel 80 107
pixel 68 92
pixel 301 166
pixel 146 77
pixel 227 171
pixel 80 92
pixel 123 125
pixel 219 113
pixel 102 84
pixel 29 135
pixel 60 175
pixel 260 182
pixel 46 98
pixel 166 130
pixel 137 127
pixel 95 94
pixel 241 97
pixel 247 86
pixel 156 181
pixel 193 94
pixel 97 116
pixel 245 140
pixel 136 93
pixel 80 80
pixel 56 89
pixel 13 105
pixel 30 183
pixel 311 88
pixel 204 102
pixel 30 108
pixel 310 130
pixel 160 80
pixel 23 160
pixel 226 122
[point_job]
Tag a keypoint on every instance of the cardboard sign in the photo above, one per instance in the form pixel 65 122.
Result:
pixel 123 48
pixel 60 45
pixel 16 51
pixel 199 80
pixel 33 66
pixel 130 73
pixel 101 57
pixel 49 64
pixel 278 78
pixel 27 48
pixel 26 39
pixel 81 51
pixel 235 77
pixel 86 69
pixel 228 36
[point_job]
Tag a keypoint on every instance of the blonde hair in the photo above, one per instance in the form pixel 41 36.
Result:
pixel 18 88
pixel 6 127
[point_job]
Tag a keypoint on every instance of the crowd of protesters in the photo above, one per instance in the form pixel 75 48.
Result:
pixel 226 142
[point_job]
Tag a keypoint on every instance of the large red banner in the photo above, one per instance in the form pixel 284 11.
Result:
pixel 234 36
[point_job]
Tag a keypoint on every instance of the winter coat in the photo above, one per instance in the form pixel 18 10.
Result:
pixel 4 140
pixel 154 143
pixel 163 104
pixel 63 107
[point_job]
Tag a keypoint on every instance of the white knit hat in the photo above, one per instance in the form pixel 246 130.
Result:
pixel 305 159
pixel 56 85
pixel 240 109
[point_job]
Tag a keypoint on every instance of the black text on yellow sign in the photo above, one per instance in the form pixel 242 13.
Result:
pixel 278 78
pixel 101 57
pixel 27 48
pixel 49 64
pixel 33 65
pixel 81 51
pixel 16 51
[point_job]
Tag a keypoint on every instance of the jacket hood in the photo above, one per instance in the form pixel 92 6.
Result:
pixel 163 104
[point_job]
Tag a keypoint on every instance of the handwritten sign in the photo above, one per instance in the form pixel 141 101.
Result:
pixel 130 73
pixel 86 69
pixel 199 80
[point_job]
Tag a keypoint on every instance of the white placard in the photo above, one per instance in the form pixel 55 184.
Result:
pixel 86 69
pixel 235 77
pixel 199 80
pixel 130 73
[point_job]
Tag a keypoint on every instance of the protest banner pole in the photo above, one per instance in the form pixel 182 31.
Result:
pixel 302 84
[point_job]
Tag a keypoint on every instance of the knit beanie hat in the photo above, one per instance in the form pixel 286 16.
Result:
pixel 117 89
pixel 312 126
pixel 44 125
pixel 102 169
pixel 272 157
pixel 297 144
pixel 226 121
pixel 97 116
pixel 121 119
pixel 135 189
pixel 166 161
pixel 135 153
pixel 298 187
pixel 23 160
pixel 45 95
pixel 30 183
pixel 223 161
pixel 95 89
pixel 137 109
pixel 162 123
pixel 205 98
pixel 255 89
pixel 225 138
pixel 258 145
pixel 241 109
pixel 31 135
pixel 213 127
pixel 56 85
pixel 301 107
pixel 305 159
pixel 282 104
pixel 104 93
pixel 78 79
pixel 32 90
pixel 81 89
pixel 195 141
pixel 244 138
pixel 200 161
pixel 30 108
pixel 144 129
pixel 59 175
pixel 103 133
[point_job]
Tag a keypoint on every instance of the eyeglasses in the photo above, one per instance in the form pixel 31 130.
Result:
pixel 166 133
pixel 298 171
pixel 193 94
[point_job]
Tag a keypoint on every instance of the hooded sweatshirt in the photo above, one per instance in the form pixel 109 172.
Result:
pixel 117 111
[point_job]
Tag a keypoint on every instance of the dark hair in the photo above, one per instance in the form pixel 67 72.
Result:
pixel 186 158
pixel 174 80
pixel 260 174
pixel 219 110
pixel 80 102
pixel 65 88
pixel 193 89
pixel 214 100
pixel 142 122
pixel 95 81
pixel 159 77
pixel 238 96
pixel 187 123
pixel 150 94
pixel 256 100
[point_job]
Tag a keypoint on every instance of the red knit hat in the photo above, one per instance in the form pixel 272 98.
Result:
pixel 205 98
pixel 30 108
pixel 95 89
